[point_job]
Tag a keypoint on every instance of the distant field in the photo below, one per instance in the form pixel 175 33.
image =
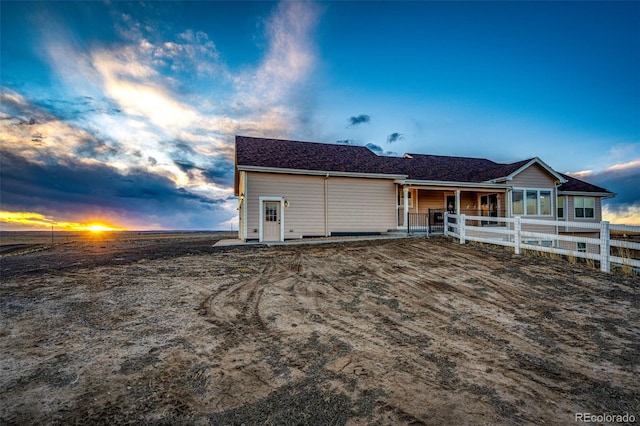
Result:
pixel 19 242
pixel 634 236
pixel 45 237
pixel 170 330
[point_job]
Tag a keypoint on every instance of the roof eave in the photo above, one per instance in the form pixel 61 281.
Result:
pixel 589 193
pixel 479 185
pixel 330 173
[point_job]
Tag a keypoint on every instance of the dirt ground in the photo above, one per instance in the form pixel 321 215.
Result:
pixel 407 331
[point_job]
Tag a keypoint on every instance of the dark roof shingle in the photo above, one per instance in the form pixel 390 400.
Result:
pixel 287 154
pixel 576 185
pixel 297 155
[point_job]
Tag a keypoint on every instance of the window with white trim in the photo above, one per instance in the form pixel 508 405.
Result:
pixel 531 202
pixel 560 205
pixel 584 207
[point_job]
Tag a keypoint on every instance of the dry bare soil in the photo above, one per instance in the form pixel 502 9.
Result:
pixel 410 331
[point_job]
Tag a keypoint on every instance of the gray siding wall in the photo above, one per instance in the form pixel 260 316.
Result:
pixel 353 204
pixel 361 205
pixel 533 177
pixel 305 194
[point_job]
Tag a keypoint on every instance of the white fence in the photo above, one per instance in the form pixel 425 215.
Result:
pixel 509 232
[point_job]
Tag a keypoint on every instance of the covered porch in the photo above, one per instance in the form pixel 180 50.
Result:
pixel 421 207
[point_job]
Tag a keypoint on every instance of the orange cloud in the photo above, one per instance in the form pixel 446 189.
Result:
pixel 624 166
pixel 581 173
pixel 32 220
pixel 627 215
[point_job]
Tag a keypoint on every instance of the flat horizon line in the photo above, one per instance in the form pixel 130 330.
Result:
pixel 148 231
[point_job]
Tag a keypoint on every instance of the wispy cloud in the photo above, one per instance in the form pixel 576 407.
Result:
pixel 76 190
pixel 630 165
pixel 272 98
pixel 41 136
pixel 581 173
pixel 359 119
pixel 379 150
pixel 393 137
pixel 134 111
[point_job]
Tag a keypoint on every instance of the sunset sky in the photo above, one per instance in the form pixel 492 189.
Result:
pixel 124 113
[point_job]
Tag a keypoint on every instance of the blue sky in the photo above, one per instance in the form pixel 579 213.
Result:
pixel 125 112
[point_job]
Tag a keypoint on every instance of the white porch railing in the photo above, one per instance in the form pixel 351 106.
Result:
pixel 512 234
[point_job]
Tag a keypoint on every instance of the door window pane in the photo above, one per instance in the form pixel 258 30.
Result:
pixel 271 212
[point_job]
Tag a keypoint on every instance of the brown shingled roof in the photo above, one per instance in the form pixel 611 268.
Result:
pixel 576 185
pixel 456 169
pixel 296 155
pixel 285 154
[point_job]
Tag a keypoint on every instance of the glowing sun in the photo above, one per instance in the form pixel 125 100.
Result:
pixel 99 227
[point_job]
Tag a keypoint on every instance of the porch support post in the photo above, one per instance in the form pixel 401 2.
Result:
pixel 405 190
pixel 457 201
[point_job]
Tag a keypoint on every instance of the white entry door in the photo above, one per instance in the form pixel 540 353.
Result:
pixel 271 221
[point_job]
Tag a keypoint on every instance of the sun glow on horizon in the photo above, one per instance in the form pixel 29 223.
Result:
pixel 100 227
pixel 37 220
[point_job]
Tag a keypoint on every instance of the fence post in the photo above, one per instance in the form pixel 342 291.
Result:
pixel 446 223
pixel 605 248
pixel 461 225
pixel 517 227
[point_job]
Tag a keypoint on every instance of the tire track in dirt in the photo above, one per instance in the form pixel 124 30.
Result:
pixel 391 332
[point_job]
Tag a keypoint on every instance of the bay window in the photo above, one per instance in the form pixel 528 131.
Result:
pixel 531 202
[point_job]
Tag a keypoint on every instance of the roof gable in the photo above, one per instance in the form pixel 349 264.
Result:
pixel 514 169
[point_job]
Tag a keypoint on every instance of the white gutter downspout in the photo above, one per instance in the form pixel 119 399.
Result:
pixel 405 190
pixel 326 206
pixel 245 202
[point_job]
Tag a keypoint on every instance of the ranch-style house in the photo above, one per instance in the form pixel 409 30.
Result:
pixel 291 189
